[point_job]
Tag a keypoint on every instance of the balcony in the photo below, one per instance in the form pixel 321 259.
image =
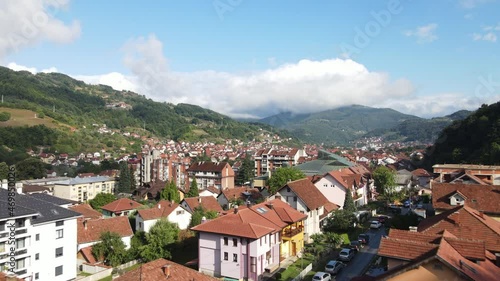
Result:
pixel 21 231
pixel 291 231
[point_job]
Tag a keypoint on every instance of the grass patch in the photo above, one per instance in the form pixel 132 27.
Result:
pixel 294 269
pixel 23 117
pixel 108 278
pixel 137 265
pixel 84 274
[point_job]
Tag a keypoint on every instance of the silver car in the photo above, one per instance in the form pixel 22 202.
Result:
pixel 346 254
pixel 322 276
pixel 333 267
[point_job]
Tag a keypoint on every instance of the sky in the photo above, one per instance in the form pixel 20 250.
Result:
pixel 256 58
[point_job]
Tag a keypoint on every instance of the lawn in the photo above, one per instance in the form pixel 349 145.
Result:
pixel 108 278
pixel 22 117
pixel 294 269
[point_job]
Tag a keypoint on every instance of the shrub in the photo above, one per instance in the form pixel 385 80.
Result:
pixel 4 116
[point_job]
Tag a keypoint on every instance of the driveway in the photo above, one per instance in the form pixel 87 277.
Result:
pixel 362 259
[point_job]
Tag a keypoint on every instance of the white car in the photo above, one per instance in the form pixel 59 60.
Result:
pixel 322 276
pixel 375 224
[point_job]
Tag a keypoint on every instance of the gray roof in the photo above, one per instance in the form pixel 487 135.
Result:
pixel 17 211
pixel 45 181
pixel 402 179
pixel 52 199
pixel 325 163
pixel 79 180
pixel 47 211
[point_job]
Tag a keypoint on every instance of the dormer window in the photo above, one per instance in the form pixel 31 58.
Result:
pixel 457 199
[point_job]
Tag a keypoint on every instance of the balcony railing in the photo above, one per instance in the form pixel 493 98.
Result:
pixel 289 233
pixel 21 231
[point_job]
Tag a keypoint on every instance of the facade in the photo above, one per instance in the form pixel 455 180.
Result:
pixel 120 207
pixel 218 174
pixel 171 211
pixel 158 166
pixel 335 184
pixel 486 174
pixel 270 159
pixel 90 230
pixel 246 243
pixel 304 197
pixel 45 238
pixel 83 189
pixel 230 197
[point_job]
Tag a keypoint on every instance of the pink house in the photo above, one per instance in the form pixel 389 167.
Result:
pixel 250 241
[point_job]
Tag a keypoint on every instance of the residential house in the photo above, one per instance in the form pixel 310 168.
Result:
pixel 45 238
pixel 219 174
pixel 333 185
pixel 210 191
pixel 304 196
pixel 83 189
pixel 162 269
pixel 325 163
pixel 209 203
pixel 149 191
pixel 86 211
pixel 120 207
pixel 421 177
pixel 403 180
pixel 246 243
pixel 449 172
pixel 485 198
pixel 238 196
pixel 271 159
pixel 435 257
pixel 90 230
pixel 171 211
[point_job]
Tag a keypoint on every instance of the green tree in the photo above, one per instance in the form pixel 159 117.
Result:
pixel 4 116
pixel 31 168
pixel 199 213
pixel 281 176
pixel 4 171
pixel 349 202
pixel 333 239
pixel 133 182
pixel 340 221
pixel 137 241
pixel 193 189
pixel 159 241
pixel 125 179
pixel 246 171
pixel 111 248
pixel 101 199
pixel 385 182
pixel 170 192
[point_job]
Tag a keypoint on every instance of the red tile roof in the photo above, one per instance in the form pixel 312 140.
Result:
pixel 86 210
pixel 208 167
pixel 404 249
pixel 120 205
pixel 237 193
pixel 161 210
pixel 481 197
pixel 3 277
pixel 87 255
pixel 155 271
pixel 254 222
pixel 209 203
pixel 95 227
pixel 421 173
pixel 308 193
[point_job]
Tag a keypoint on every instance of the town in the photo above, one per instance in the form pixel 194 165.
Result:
pixel 253 211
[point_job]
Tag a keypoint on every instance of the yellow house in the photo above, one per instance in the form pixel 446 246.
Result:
pixel 292 239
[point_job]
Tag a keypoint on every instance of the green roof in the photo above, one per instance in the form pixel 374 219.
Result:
pixel 325 163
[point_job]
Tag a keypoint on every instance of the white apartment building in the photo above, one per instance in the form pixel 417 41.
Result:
pixel 84 189
pixel 38 236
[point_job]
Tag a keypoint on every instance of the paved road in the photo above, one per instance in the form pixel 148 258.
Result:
pixel 362 259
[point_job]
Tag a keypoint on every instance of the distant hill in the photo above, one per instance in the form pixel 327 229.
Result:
pixel 65 102
pixel 340 125
pixel 474 140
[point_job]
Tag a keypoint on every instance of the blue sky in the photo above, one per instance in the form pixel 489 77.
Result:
pixel 255 58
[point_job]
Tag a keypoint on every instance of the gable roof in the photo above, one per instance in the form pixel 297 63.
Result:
pixel 122 204
pixel 95 227
pixel 154 271
pixel 208 167
pixel 255 221
pixel 421 173
pixel 86 210
pixel 52 199
pixel 209 203
pixel 161 210
pixel 307 192
pixel 481 197
pixel 242 193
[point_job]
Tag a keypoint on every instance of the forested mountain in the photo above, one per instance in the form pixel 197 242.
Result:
pixel 75 105
pixel 474 140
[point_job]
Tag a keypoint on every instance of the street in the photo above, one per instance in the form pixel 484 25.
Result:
pixel 363 257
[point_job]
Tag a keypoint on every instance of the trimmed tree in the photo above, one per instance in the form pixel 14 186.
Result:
pixel 125 179
pixel 349 202
pixel 159 241
pixel 101 199
pixel 385 182
pixel 281 176
pixel 193 189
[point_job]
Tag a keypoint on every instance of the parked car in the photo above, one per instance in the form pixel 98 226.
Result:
pixel 322 276
pixel 364 238
pixel 334 266
pixel 375 225
pixel 356 245
pixel 346 254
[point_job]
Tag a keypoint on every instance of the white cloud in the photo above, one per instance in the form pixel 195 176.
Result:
pixel 470 4
pixel 424 34
pixel 24 23
pixel 490 36
pixel 18 67
pixel 114 79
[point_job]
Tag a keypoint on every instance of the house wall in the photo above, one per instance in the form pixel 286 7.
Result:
pixel 432 271
pixel 312 222
pixel 142 225
pixel 125 239
pixel 76 192
pixel 181 217
pixel 332 190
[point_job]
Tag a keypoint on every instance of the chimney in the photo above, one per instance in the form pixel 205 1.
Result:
pixel 199 199
pixel 413 229
pixel 270 205
pixel 85 223
pixel 159 206
pixel 235 209
pixel 249 204
pixel 166 270
pixel 277 197
pixel 203 219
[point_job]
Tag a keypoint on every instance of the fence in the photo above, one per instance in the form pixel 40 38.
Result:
pixel 99 272
pixel 125 265
pixel 303 273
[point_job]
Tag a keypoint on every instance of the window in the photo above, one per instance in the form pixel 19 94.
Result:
pixel 2 226
pixel 235 257
pixel 288 189
pixel 140 224
pixel 226 256
pixel 59 270
pixel 37 256
pixel 295 199
pixel 20 264
pixel 226 241
pixel 253 264
pixel 59 252
pixel 20 244
pixel 37 237
pixel 59 233
pixel 325 185
pixel 20 222
pixel 36 276
pixel 59 223
pixel 2 247
pixel 180 212
pixel 235 242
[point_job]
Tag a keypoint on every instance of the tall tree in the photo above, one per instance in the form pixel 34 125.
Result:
pixel 340 221
pixel 125 180
pixel 101 199
pixel 111 248
pixel 31 168
pixel 4 171
pixel 385 181
pixel 159 241
pixel 170 192
pixel 281 176
pixel 193 189
pixel 133 182
pixel 246 171
pixel 349 202
pixel 199 213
